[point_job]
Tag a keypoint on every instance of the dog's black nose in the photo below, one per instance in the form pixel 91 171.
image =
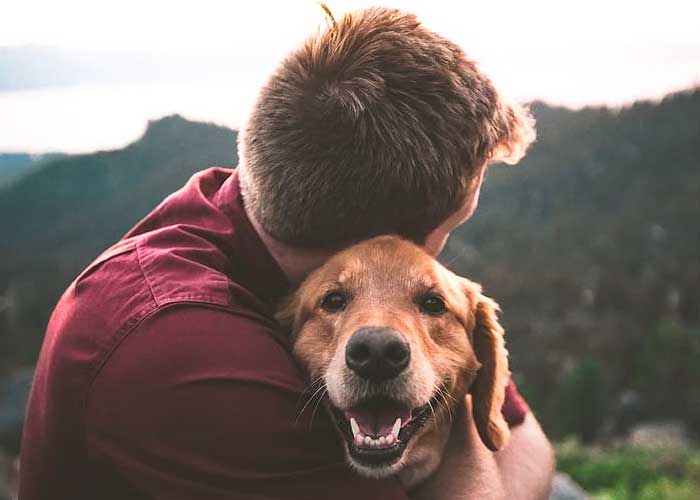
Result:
pixel 377 353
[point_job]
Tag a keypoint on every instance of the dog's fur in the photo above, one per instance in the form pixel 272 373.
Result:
pixel 458 352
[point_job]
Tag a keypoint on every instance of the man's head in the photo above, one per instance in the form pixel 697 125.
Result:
pixel 375 125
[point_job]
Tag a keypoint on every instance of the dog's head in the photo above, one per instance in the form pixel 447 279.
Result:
pixel 398 340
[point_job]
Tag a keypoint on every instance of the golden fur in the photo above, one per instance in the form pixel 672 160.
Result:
pixel 460 351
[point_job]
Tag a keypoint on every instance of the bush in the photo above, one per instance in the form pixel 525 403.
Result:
pixel 582 401
pixel 666 488
pixel 632 473
pixel 669 358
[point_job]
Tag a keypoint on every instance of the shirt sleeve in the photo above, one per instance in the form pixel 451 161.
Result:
pixel 203 404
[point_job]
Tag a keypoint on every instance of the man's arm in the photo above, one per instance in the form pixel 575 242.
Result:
pixel 526 464
pixel 523 470
pixel 204 404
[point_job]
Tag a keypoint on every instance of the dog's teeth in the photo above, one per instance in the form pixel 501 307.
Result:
pixel 359 439
pixel 355 428
pixel 390 439
pixel 368 440
pixel 397 427
pixel 381 442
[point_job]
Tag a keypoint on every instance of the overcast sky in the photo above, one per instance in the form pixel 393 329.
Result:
pixel 570 53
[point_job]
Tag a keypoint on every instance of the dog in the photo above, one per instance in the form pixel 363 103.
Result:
pixel 394 341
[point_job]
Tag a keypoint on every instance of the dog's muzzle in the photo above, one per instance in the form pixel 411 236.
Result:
pixel 377 354
pixel 380 423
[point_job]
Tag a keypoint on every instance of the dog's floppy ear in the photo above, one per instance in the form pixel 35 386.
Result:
pixel 293 311
pixel 289 311
pixel 488 389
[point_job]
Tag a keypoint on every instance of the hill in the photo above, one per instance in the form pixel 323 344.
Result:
pixel 590 245
pixel 12 165
pixel 63 215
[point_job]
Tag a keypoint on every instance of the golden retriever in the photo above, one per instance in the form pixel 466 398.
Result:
pixel 394 341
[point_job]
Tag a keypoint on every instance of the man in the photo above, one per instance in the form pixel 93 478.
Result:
pixel 163 374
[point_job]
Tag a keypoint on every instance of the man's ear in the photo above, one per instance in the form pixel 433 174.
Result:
pixel 489 387
pixel 517 130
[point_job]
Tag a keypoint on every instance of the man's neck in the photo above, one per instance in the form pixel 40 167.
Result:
pixel 296 263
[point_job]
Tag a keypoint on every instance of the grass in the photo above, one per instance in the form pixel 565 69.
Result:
pixel 624 472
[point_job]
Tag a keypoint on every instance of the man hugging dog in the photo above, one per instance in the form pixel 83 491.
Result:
pixel 164 373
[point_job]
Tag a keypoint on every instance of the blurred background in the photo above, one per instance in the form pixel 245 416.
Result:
pixel 591 244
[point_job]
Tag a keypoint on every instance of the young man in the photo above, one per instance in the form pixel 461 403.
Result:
pixel 163 374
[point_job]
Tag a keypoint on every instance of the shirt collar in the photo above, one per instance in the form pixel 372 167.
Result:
pixel 254 267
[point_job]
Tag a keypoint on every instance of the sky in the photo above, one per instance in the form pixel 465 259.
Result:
pixel 567 53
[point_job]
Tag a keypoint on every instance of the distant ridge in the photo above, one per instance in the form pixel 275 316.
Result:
pixel 61 216
pixel 13 165
pixel 75 206
pixel 592 247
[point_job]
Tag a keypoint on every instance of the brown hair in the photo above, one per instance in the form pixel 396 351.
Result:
pixel 375 125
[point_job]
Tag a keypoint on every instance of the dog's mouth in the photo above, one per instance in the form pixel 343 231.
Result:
pixel 377 430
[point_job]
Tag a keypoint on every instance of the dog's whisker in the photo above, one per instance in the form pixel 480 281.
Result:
pixel 454 259
pixel 312 386
pixel 446 394
pixel 307 395
pixel 432 409
pixel 318 403
pixel 442 395
pixel 321 388
pixel 449 411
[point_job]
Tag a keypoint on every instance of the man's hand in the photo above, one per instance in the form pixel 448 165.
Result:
pixel 523 470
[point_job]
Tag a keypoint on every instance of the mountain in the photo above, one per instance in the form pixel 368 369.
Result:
pixel 12 165
pixel 590 245
pixel 60 217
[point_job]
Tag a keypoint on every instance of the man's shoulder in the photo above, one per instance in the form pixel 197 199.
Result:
pixel 182 267
pixel 204 341
pixel 135 280
pixel 182 251
pixel 168 266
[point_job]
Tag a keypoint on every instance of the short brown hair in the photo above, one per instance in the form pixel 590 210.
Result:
pixel 375 125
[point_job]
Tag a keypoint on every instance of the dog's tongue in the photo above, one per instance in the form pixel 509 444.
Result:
pixel 377 419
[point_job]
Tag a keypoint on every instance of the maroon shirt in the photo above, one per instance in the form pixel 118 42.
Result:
pixel 164 376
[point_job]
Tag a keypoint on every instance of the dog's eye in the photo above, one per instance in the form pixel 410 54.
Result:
pixel 334 302
pixel 433 305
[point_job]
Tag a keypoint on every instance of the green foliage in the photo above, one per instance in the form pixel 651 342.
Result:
pixel 582 401
pixel 588 245
pixel 629 473
pixel 669 489
pixel 660 489
pixel 669 357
